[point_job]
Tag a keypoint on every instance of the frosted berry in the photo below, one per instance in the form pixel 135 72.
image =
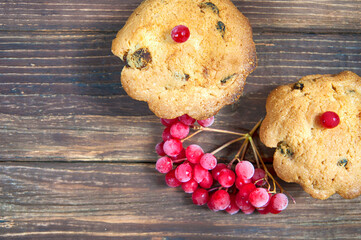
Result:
pixel 199 173
pixel 164 165
pixel 279 202
pixel 194 153
pixel 179 130
pixel 190 186
pixel 207 181
pixel 217 170
pixel 249 211
pixel 181 155
pixel 208 161
pixel 220 200
pixel 180 33
pixel 210 204
pixel 243 203
pixel 171 180
pixel 172 147
pixel 259 177
pixel 200 196
pixel 240 181
pixel 187 120
pixel 245 169
pixel 226 177
pixel 159 149
pixel 184 172
pixel 168 122
pixel 259 197
pixel 330 119
pixel 206 122
pixel 166 134
pixel 246 189
pixel 232 208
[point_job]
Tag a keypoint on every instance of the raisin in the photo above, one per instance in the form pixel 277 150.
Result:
pixel 210 6
pixel 181 76
pixel 298 86
pixel 224 80
pixel 139 59
pixel 284 149
pixel 342 162
pixel 221 28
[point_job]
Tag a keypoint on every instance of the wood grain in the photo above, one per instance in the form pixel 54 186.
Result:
pixel 77 154
pixel 100 201
pixel 265 15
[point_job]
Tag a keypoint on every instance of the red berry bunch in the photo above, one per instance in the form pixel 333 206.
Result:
pixel 231 187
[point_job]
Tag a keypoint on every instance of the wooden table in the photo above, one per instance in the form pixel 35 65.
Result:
pixel 77 154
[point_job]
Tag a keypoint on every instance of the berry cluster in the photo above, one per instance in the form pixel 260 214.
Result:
pixel 230 187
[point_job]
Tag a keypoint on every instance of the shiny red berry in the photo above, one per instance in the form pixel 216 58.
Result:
pixel 180 34
pixel 330 119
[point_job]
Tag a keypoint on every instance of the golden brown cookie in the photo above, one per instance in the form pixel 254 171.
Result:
pixel 322 160
pixel 197 77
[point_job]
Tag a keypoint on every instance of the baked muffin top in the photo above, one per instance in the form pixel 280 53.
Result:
pixel 197 77
pixel 322 160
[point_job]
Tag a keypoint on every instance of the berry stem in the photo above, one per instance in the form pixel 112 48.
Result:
pixel 192 135
pixel 217 130
pixel 227 144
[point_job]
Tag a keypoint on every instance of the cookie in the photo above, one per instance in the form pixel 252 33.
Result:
pixel 322 160
pixel 197 77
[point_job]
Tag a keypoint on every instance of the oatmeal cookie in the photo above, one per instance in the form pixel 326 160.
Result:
pixel 322 160
pixel 197 77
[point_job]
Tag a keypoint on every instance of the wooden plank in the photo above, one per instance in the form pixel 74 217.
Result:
pixel 63 109
pixel 110 15
pixel 108 201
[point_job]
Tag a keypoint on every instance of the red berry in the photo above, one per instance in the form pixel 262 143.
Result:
pixel 171 180
pixel 226 177
pixel 245 169
pixel 179 130
pixel 217 170
pixel 159 149
pixel 184 172
pixel 180 33
pixel 242 202
pixel 172 147
pixel 210 205
pixel 168 122
pixel 208 161
pixel 330 119
pixel 249 211
pixel 199 173
pixel 164 164
pixel 259 177
pixel 259 197
pixel 206 122
pixel 181 155
pixel 232 208
pixel 200 196
pixel 189 186
pixel 246 189
pixel 187 120
pixel 279 202
pixel 220 199
pixel 240 181
pixel 263 211
pixel 194 153
pixel 166 134
pixel 207 181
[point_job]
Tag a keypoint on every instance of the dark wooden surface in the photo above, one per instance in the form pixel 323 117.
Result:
pixel 77 154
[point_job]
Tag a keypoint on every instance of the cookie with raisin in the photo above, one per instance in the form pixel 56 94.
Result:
pixel 323 158
pixel 196 77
